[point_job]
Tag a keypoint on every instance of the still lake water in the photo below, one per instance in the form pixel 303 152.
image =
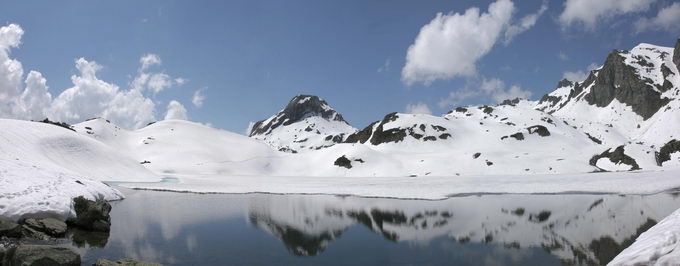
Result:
pixel 266 229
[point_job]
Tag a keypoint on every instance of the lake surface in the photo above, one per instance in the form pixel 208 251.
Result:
pixel 266 229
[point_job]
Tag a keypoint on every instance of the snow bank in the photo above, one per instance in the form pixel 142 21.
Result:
pixel 656 246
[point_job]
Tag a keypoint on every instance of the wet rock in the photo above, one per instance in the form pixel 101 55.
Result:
pixel 49 226
pixel 124 262
pixel 41 255
pixel 342 161
pixel 91 215
pixel 9 228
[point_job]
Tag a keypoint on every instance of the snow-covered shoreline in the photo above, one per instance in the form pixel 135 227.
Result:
pixel 424 187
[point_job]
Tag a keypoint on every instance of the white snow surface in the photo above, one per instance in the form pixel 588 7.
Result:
pixel 660 245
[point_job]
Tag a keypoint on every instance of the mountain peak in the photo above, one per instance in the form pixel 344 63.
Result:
pixel 300 107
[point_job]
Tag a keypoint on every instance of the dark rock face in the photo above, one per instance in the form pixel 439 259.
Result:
pixel 124 262
pixel 10 229
pixel 299 108
pixel 375 133
pixel 342 161
pixel 511 102
pixel 391 135
pixel 540 130
pixel 49 226
pixel 476 155
pixel 666 150
pixel 676 54
pixel 617 156
pixel 616 80
pixel 39 255
pixel 461 109
pixel 91 215
pixel 363 135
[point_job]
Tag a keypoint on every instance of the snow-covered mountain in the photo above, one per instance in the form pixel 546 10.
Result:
pixel 307 123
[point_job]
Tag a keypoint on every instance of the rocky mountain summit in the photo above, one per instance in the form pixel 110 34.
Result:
pixel 306 123
pixel 624 116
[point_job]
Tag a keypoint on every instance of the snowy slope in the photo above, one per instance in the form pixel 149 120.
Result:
pixel 43 166
pixel 307 123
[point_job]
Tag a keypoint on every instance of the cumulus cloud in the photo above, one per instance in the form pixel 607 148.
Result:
pixel 153 81
pixel 88 97
pixel 667 19
pixel 579 75
pixel 451 44
pixel 198 98
pixel 588 12
pixel 92 97
pixel 176 111
pixel 419 108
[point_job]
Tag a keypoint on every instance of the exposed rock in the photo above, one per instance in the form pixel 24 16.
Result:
pixel 124 262
pixel 91 215
pixel 476 155
pixel 299 108
pixel 461 109
pixel 49 226
pixel 594 139
pixel 541 130
pixel 616 80
pixel 342 161
pixel 430 138
pixel 617 156
pixel 363 135
pixel 445 136
pixel 676 54
pixel 9 228
pixel 486 109
pixel 41 255
pixel 510 102
pixel 666 150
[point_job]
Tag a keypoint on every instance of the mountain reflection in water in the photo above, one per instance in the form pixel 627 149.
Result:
pixel 213 229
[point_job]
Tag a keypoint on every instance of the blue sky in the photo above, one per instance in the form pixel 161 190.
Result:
pixel 251 57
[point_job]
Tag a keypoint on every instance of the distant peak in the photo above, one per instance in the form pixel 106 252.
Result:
pixel 565 83
pixel 299 107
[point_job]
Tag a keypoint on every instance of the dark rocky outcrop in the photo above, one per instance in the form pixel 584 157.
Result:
pixel 124 262
pixel 540 130
pixel 49 226
pixel 39 255
pixel 363 135
pixel 511 102
pixel 676 54
pixel 91 215
pixel 342 161
pixel 9 228
pixel 617 156
pixel 616 80
pixel 665 153
pixel 299 108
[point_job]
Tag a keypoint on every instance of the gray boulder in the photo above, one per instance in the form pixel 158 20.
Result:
pixel 9 228
pixel 49 226
pixel 124 262
pixel 91 215
pixel 39 255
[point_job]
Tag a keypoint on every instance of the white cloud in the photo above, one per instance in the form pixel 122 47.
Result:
pixel 667 19
pixel 198 98
pixel 590 12
pixel 579 75
pixel 457 96
pixel 148 60
pixel 385 67
pixel 88 97
pixel 11 71
pixel 495 88
pixel 35 98
pixel 419 108
pixel 176 111
pixel 91 97
pixel 451 44
pixel 525 23
pixel 153 81
pixel 562 56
